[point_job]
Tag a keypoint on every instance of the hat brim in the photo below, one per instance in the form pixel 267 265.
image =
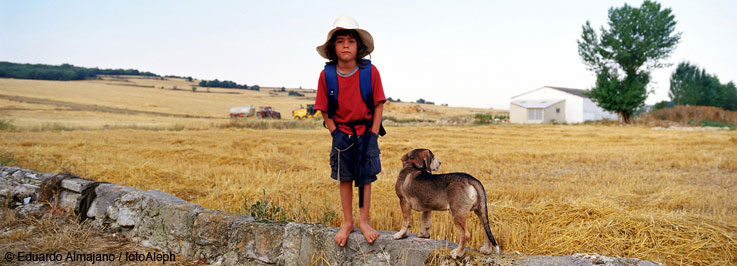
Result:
pixel 366 37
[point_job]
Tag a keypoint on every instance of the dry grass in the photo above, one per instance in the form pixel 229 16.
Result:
pixel 689 115
pixel 618 191
pixel 59 233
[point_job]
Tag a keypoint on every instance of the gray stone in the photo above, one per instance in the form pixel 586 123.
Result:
pixel 31 210
pixel 68 200
pixel 126 210
pixel 210 232
pixel 106 194
pixel 256 241
pixel 166 222
pixel 75 184
pixel 18 174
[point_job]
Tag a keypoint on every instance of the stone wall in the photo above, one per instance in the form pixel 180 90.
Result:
pixel 156 219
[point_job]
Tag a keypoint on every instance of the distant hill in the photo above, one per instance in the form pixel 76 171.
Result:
pixel 61 72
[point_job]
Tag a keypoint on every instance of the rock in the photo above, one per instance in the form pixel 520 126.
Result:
pixel 256 241
pixel 165 221
pixel 210 232
pixel 105 197
pixel 31 210
pixel 75 184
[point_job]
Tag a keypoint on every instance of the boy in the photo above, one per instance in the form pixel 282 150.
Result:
pixel 351 98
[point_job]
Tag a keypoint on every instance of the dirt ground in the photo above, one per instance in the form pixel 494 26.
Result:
pixel 54 237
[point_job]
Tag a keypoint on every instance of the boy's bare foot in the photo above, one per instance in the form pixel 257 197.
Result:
pixel 342 236
pixel 369 233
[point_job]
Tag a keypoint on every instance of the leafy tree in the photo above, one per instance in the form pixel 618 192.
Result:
pixel 690 85
pixel 662 104
pixel 624 55
pixel 730 97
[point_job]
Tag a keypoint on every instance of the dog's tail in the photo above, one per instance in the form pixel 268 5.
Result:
pixel 482 211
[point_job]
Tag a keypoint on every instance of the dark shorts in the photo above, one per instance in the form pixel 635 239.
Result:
pixel 354 159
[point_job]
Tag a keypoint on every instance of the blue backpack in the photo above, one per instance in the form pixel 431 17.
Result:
pixel 364 73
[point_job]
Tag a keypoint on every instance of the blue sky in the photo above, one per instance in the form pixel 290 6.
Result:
pixel 464 53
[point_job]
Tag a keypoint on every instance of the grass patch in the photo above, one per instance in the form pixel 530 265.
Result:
pixel 267 210
pixel 709 123
pixel 271 124
pixel 483 119
pixel 6 125
pixel 408 120
pixel 7 159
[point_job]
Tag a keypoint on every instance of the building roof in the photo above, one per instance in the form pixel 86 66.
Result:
pixel 577 92
pixel 536 103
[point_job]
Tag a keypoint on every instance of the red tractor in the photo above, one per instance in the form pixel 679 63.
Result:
pixel 266 113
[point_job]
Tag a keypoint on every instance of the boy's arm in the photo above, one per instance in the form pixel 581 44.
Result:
pixel 328 122
pixel 378 110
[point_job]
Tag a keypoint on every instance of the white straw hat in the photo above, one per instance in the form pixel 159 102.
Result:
pixel 346 22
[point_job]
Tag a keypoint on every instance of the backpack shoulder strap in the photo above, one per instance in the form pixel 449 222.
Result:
pixel 365 80
pixel 331 80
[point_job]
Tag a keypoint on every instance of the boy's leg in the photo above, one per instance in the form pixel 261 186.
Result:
pixel 363 221
pixel 346 201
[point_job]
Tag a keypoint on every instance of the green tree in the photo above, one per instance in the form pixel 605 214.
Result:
pixel 690 85
pixel 623 57
pixel 730 97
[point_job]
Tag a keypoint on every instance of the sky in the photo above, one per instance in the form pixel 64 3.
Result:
pixel 461 53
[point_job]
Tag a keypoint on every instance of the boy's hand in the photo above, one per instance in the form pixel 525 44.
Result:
pixel 329 123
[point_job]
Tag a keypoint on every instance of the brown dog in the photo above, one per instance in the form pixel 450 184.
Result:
pixel 418 189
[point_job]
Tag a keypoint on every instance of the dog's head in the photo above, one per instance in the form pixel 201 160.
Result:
pixel 422 159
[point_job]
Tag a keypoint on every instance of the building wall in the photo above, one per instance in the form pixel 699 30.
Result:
pixel 517 114
pixel 594 112
pixel 574 104
pixel 551 113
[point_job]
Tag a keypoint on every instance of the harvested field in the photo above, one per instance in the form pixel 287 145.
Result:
pixel 627 191
pixel 554 190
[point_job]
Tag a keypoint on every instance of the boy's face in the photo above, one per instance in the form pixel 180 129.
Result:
pixel 345 48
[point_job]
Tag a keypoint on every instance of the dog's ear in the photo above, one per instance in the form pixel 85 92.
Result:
pixel 427 160
pixel 404 159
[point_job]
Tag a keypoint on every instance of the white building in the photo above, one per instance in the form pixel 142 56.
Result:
pixel 555 104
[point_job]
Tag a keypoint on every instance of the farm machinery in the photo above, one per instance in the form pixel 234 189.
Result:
pixel 246 111
pixel 304 113
pixel 267 113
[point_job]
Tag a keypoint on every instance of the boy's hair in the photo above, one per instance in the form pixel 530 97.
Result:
pixel 361 49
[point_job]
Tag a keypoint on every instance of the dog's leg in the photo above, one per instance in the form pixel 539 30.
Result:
pixel 406 219
pixel 459 219
pixel 425 231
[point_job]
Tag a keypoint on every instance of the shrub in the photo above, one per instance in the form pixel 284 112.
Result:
pixel 294 93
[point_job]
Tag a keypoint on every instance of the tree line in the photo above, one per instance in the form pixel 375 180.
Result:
pixel 690 85
pixel 61 72
pixel 226 84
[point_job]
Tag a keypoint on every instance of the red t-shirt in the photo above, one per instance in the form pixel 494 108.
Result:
pixel 350 103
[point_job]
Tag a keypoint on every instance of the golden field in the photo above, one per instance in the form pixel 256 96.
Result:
pixel 662 195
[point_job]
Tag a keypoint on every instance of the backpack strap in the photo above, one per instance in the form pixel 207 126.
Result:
pixel 331 80
pixel 364 75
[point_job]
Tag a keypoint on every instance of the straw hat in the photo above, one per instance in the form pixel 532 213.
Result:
pixel 346 22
